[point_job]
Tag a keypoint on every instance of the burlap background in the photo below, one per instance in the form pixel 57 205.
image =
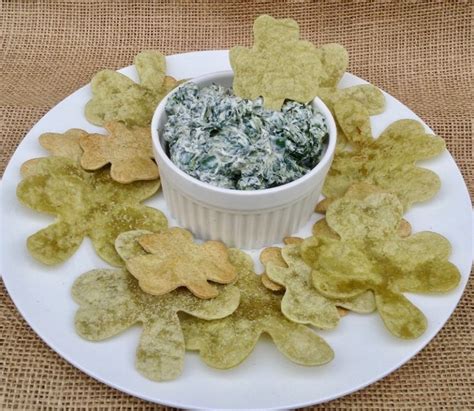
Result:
pixel 419 52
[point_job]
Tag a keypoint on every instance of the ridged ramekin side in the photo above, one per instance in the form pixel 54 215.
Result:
pixel 235 228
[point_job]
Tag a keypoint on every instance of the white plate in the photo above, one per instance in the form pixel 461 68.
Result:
pixel 365 350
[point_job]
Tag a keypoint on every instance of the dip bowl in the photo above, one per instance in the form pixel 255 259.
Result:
pixel 244 219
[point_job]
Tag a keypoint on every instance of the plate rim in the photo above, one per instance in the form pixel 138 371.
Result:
pixel 72 361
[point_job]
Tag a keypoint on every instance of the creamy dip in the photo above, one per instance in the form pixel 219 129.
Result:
pixel 234 143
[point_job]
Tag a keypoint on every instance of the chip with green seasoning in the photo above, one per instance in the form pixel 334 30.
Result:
pixel 279 66
pixel 273 255
pixel 127 245
pixel 57 144
pixel 110 302
pixel 354 120
pixel 357 191
pixel 334 61
pixel 85 204
pixel 352 108
pixel 151 69
pixel 302 303
pixel 115 97
pixel 227 342
pixel 369 254
pixel 389 163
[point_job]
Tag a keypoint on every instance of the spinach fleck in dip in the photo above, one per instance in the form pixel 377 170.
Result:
pixel 234 143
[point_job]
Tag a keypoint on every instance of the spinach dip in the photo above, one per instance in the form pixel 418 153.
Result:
pixel 234 143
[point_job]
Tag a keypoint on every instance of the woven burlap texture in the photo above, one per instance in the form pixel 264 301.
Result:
pixel 420 52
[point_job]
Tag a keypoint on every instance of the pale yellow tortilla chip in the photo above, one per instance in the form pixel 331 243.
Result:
pixel 57 144
pixel 127 149
pixel 176 261
pixel 111 301
pixel 274 254
pixel 293 240
pixel 271 254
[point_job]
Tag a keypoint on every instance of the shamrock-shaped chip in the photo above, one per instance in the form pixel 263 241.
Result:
pixel 86 204
pixel 334 60
pixel 110 301
pixel 226 343
pixel 273 254
pixel 175 261
pixel 368 95
pixel 370 255
pixel 127 149
pixel 389 163
pixel 57 144
pixel 115 97
pixel 279 66
pixel 352 108
pixel 63 144
pixel 357 191
pixel 302 303
pixel 151 69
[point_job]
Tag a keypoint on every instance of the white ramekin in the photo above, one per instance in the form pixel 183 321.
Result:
pixel 244 219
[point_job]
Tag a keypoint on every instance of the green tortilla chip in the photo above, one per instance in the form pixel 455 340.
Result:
pixel 279 66
pixel 151 69
pixel 127 245
pixel 118 98
pixel 110 301
pixel 322 229
pixel 353 119
pixel 357 191
pixel 57 144
pixel 352 108
pixel 115 97
pixel 369 254
pixel 368 95
pixel 389 163
pixel 86 204
pixel 302 303
pixel 334 59
pixel 226 343
pixel 273 255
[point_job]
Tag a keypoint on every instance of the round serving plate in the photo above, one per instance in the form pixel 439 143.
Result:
pixel 364 350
